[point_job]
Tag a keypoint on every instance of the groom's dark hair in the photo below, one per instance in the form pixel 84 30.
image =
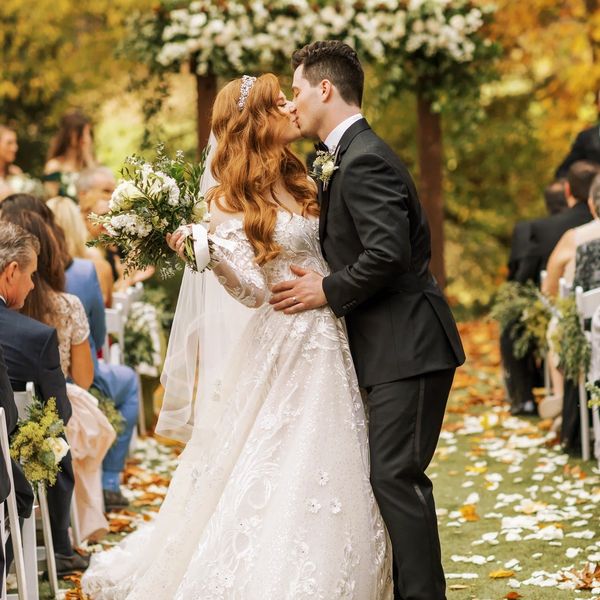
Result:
pixel 335 61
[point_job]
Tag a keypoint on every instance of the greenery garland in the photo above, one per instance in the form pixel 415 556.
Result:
pixel 38 443
pixel 110 411
pixel 572 346
pixel 525 313
pixel 594 391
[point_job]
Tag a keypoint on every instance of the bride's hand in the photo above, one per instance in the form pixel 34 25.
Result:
pixel 176 240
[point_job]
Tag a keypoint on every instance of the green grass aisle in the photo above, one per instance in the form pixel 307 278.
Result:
pixel 518 519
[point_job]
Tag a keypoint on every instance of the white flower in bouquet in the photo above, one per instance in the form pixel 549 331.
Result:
pixel 153 199
pixel 123 196
pixel 59 448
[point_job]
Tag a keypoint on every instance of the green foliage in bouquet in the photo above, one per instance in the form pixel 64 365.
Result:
pixel 110 411
pixel 525 312
pixel 572 346
pixel 38 444
pixel 151 200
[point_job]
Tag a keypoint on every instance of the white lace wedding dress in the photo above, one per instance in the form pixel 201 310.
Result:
pixel 281 507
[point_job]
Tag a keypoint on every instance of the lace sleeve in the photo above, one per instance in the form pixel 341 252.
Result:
pixel 80 330
pixel 235 267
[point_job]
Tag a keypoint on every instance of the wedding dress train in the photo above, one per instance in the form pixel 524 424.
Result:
pixel 278 506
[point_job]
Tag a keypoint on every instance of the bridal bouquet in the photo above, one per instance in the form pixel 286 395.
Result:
pixel 151 200
pixel 38 444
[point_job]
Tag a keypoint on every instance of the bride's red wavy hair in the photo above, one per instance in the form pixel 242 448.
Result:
pixel 250 159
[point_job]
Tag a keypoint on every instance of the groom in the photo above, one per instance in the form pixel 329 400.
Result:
pixel 403 338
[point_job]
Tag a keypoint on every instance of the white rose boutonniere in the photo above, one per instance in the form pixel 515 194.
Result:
pixel 324 167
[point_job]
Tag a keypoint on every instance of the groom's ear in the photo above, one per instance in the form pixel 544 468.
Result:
pixel 326 88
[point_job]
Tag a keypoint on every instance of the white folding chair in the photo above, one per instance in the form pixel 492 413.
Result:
pixel 34 554
pixel 115 326
pixel 587 303
pixel 124 299
pixel 564 289
pixel 25 590
pixel 136 292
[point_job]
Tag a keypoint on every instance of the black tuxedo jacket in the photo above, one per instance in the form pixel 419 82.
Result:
pixel 519 248
pixel 31 354
pixel 544 234
pixel 585 147
pixel 375 237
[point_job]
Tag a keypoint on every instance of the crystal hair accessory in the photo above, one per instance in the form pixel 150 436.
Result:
pixel 247 83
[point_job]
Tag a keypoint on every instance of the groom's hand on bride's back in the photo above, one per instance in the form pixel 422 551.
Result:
pixel 296 295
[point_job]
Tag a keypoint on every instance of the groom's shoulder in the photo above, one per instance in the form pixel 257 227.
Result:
pixel 368 142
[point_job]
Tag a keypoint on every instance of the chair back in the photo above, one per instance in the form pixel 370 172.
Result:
pixel 24 399
pixel 115 326
pixel 587 302
pixel 124 299
pixel 136 292
pixel 564 289
pixel 23 585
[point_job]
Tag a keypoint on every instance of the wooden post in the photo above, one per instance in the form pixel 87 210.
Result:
pixel 206 92
pixel 429 143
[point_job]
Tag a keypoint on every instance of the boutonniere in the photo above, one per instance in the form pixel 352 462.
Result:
pixel 324 166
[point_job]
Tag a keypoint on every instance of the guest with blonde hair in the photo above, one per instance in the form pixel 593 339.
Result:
pixel 68 215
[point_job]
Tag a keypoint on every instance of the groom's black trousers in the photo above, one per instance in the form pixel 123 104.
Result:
pixel 405 420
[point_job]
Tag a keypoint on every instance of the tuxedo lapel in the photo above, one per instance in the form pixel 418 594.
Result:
pixel 324 204
pixel 324 194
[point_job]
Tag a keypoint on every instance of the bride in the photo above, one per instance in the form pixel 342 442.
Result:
pixel 271 499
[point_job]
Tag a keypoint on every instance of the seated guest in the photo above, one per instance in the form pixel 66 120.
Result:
pixel 68 216
pixel 118 382
pixel 562 260
pixel 545 233
pixel 31 353
pixel 522 375
pixel 8 154
pixel 23 489
pixel 561 264
pixel 71 151
pixel 89 432
pixel 585 147
pixel 97 203
pixel 556 202
pixel 93 181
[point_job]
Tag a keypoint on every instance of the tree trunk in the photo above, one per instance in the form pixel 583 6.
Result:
pixel 429 143
pixel 206 92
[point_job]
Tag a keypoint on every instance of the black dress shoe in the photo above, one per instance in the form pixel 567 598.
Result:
pixel 528 409
pixel 114 500
pixel 66 565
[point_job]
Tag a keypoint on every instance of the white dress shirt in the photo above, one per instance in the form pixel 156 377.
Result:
pixel 3 299
pixel 333 139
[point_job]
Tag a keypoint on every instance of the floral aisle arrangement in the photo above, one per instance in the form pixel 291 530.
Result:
pixel 151 200
pixel 571 344
pixel 110 411
pixel 38 443
pixel 143 339
pixel 525 312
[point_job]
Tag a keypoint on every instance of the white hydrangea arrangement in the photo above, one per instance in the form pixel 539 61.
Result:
pixel 143 334
pixel 151 200
pixel 229 37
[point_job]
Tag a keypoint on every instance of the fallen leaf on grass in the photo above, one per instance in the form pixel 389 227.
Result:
pixel 469 512
pixel 513 595
pixel 501 574
pixel 120 525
